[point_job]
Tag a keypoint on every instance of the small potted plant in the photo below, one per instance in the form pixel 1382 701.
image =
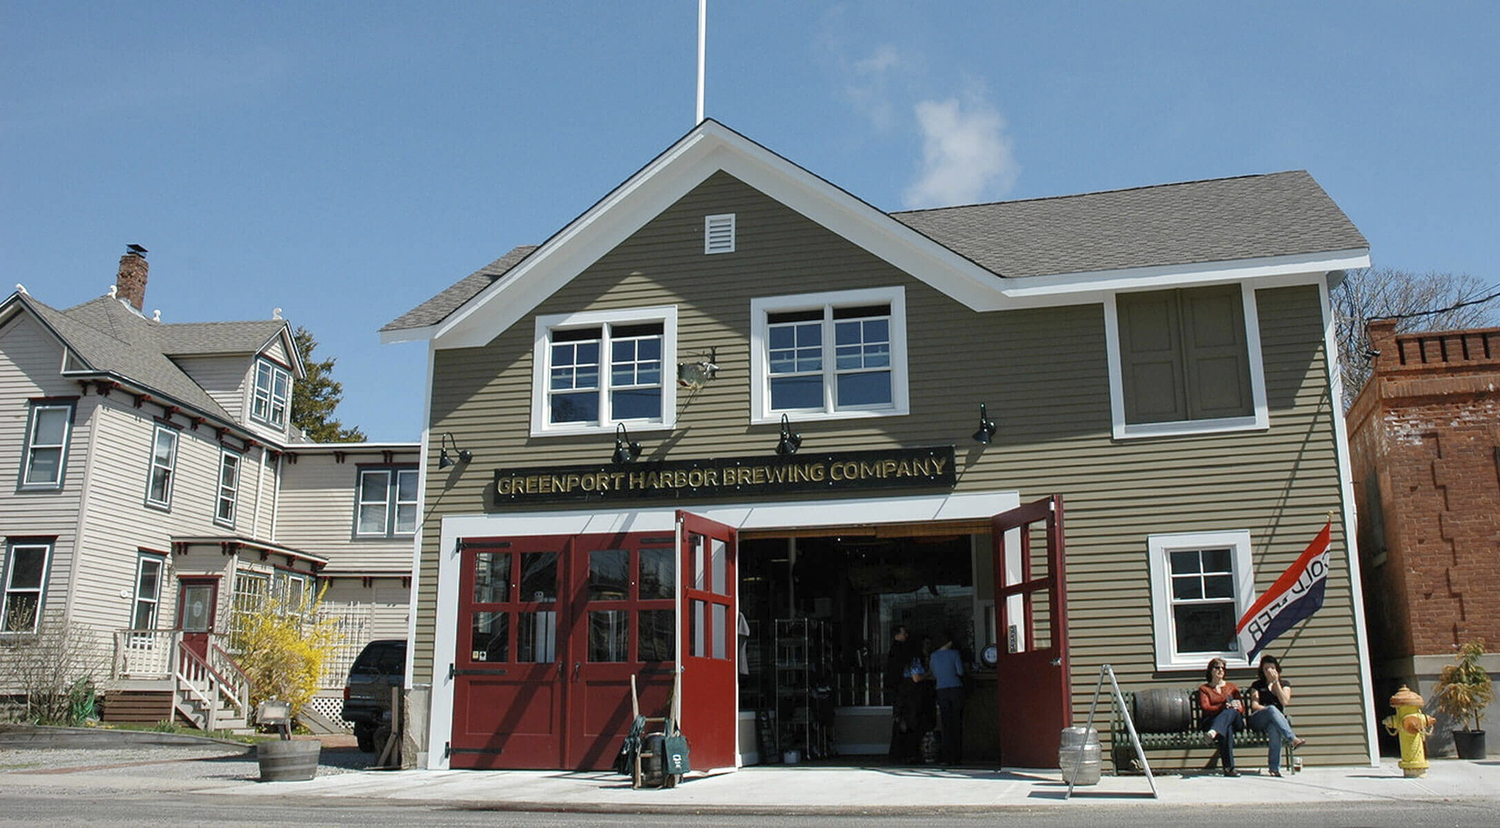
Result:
pixel 1463 691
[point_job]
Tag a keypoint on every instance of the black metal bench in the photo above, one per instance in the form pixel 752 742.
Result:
pixel 1184 736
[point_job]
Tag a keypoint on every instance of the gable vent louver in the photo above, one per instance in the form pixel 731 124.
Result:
pixel 718 233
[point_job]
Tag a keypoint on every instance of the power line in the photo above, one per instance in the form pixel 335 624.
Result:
pixel 1492 296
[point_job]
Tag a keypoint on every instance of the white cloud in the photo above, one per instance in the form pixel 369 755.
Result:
pixel 966 155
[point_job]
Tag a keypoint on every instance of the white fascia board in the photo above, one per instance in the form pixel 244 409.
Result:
pixel 1080 288
pixel 662 183
pixel 395 335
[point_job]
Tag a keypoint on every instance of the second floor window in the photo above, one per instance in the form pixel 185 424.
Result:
pixel 46 445
pixel 273 394
pixel 229 488
pixel 387 502
pixel 163 467
pixel 598 369
pixel 830 354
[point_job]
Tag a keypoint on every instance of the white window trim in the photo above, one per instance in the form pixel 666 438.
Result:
pixel 62 458
pixel 155 600
pixel 760 380
pixel 151 467
pixel 270 394
pixel 1162 619
pixel 1260 420
pixel 234 491
pixel 48 548
pixel 541 359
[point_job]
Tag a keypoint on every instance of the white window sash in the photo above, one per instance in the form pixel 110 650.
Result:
pixel 34 446
pixel 607 321
pixel 761 410
pixel 12 592
pixel 162 468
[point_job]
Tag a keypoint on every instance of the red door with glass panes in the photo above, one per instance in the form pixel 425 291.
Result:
pixel 509 694
pixel 710 682
pixel 623 624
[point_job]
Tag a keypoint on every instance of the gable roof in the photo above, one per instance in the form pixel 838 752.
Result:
pixel 1218 220
pixel 988 256
pixel 107 339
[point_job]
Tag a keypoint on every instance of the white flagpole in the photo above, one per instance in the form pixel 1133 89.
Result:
pixel 702 41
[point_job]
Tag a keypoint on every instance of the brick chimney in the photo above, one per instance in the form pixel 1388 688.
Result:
pixel 130 283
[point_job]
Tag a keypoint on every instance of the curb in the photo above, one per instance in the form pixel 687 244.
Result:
pixel 39 736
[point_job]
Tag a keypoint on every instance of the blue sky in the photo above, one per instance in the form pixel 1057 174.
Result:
pixel 345 161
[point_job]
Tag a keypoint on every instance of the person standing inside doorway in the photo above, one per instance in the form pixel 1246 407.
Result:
pixel 897 661
pixel 947 665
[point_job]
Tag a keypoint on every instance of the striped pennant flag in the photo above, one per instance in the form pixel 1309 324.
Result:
pixel 1297 594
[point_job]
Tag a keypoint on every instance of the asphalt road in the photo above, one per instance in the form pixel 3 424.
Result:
pixel 20 809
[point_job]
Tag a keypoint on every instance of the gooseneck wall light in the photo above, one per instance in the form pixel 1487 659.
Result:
pixel 626 450
pixel 444 461
pixel 790 441
pixel 987 427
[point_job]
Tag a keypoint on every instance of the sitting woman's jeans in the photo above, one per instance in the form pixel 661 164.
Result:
pixel 1272 722
pixel 1223 724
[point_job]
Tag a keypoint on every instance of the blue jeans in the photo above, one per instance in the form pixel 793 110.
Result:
pixel 1272 721
pixel 1223 724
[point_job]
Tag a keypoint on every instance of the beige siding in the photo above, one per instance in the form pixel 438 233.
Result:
pixel 226 379
pixel 1043 374
pixel 316 513
pixel 277 352
pixel 29 362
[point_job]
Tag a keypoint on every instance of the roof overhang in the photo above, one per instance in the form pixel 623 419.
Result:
pixel 235 544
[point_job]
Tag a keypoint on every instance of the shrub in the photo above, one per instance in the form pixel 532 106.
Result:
pixel 1464 689
pixel 281 646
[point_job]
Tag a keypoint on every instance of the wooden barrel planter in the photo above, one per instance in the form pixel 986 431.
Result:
pixel 1163 710
pixel 288 761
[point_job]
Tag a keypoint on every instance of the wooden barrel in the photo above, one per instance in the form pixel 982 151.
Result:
pixel 288 761
pixel 1078 770
pixel 1163 710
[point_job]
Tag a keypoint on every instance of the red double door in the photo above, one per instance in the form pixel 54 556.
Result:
pixel 552 628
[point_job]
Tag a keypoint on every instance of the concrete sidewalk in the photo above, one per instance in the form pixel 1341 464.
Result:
pixel 876 790
pixel 54 759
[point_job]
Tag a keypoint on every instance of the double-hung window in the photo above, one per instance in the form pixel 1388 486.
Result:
pixel 25 584
pixel 594 370
pixel 229 488
pixel 46 450
pixel 1185 361
pixel 163 468
pixel 1200 586
pixel 272 394
pixel 147 591
pixel 387 502
pixel 829 355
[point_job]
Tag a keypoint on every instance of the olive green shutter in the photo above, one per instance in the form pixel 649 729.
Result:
pixel 1183 355
pixel 1151 357
pixel 1215 354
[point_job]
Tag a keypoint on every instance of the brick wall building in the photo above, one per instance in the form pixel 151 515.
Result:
pixel 1424 439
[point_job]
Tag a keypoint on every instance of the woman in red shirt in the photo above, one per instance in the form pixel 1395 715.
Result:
pixel 1222 712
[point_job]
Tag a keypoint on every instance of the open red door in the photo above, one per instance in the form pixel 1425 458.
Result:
pixel 707 616
pixel 1032 621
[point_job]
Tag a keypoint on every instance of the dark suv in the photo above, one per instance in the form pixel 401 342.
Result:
pixel 367 696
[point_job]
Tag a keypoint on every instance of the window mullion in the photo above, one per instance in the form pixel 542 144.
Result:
pixel 830 362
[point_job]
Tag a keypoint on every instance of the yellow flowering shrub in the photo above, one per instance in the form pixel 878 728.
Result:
pixel 281 646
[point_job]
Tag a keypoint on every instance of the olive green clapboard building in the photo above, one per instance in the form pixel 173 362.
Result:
pixel 734 425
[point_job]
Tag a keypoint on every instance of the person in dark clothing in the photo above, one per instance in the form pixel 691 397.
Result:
pixel 916 705
pixel 897 662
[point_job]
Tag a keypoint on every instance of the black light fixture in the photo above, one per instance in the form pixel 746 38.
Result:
pixel 987 427
pixel 790 441
pixel 625 450
pixel 444 461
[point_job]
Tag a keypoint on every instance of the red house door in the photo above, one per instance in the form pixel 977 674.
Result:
pixel 508 687
pixel 197 599
pixel 1032 621
pixel 708 608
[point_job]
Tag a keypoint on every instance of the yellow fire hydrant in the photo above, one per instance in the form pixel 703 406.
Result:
pixel 1413 726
